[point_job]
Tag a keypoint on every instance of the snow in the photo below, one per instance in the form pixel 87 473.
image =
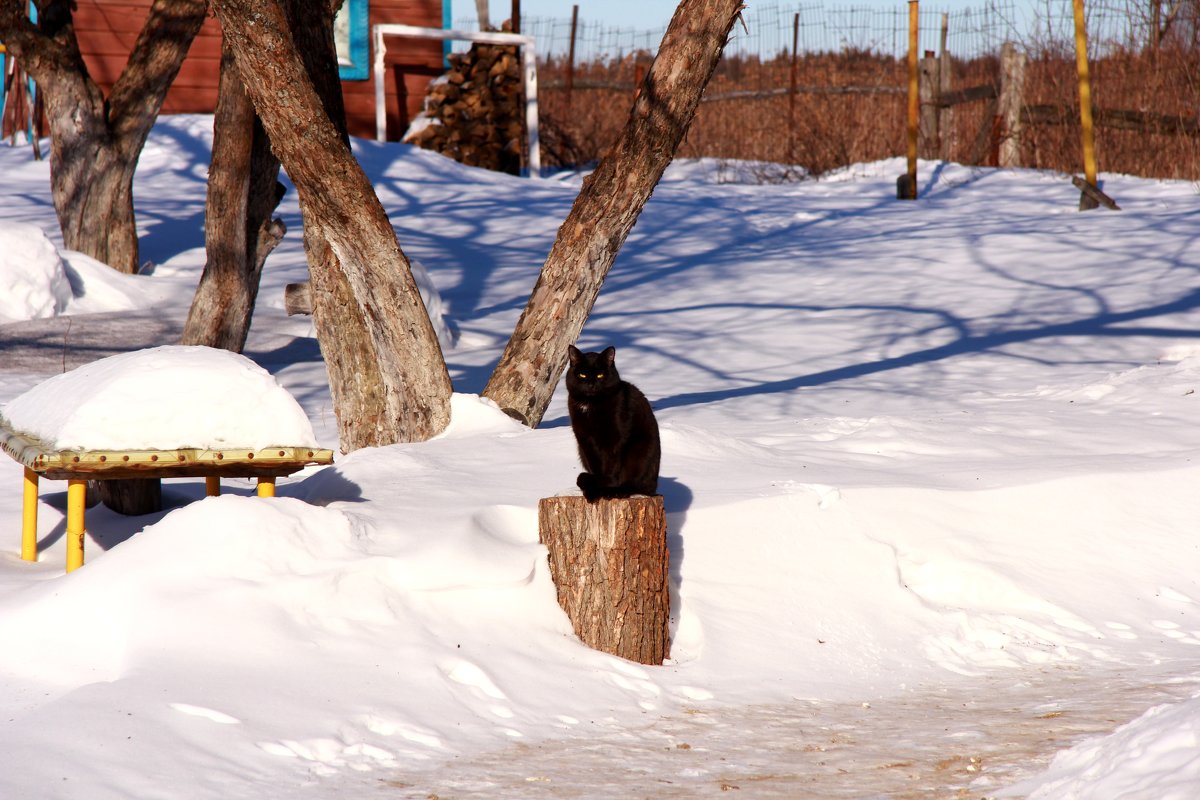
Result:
pixel 33 278
pixel 1156 755
pixel 929 470
pixel 162 398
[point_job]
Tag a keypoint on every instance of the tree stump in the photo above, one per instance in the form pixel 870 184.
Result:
pixel 132 497
pixel 609 563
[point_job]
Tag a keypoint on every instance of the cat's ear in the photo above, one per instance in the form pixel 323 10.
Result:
pixel 573 354
pixel 610 355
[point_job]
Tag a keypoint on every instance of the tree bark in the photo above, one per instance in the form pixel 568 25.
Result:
pixel 387 374
pixel 607 207
pixel 95 141
pixel 239 232
pixel 610 565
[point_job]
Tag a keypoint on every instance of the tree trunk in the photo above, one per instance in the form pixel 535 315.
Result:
pixel 608 205
pixel 346 341
pixel 610 565
pixel 95 141
pixel 239 232
pixel 387 374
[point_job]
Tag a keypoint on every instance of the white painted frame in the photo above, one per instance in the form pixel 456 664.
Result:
pixel 528 64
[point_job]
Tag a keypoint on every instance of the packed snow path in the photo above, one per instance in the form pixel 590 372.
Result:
pixel 964 740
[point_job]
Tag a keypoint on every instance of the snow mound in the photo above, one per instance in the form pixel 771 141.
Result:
pixel 96 287
pixel 1152 756
pixel 472 415
pixel 33 279
pixel 38 280
pixel 163 398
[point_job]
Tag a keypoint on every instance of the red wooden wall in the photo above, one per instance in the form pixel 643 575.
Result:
pixel 107 30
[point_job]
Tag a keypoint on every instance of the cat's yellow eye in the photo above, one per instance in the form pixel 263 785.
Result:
pixel 581 374
pixel 599 376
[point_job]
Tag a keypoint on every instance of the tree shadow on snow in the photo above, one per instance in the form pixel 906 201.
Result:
pixel 1101 325
pixel 820 245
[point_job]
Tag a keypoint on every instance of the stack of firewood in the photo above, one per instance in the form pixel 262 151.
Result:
pixel 474 113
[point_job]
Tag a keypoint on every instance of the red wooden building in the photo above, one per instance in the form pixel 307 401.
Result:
pixel 107 30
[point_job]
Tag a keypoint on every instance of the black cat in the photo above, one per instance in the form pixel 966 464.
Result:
pixel 614 426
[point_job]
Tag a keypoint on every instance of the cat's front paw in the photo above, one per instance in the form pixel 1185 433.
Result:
pixel 590 486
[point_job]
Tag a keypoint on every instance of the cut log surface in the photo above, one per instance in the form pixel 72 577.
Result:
pixel 610 565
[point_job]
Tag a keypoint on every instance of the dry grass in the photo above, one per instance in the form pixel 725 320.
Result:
pixel 823 130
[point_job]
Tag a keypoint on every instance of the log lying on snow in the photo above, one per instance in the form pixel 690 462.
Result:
pixel 1092 196
pixel 610 565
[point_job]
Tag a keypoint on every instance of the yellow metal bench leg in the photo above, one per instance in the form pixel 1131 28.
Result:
pixel 212 486
pixel 76 502
pixel 29 515
pixel 266 486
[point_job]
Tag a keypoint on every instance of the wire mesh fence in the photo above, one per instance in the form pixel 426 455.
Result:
pixel 769 30
pixel 819 86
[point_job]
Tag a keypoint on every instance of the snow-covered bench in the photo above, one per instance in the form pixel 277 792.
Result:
pixel 167 412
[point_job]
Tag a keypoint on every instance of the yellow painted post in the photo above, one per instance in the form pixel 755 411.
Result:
pixel 266 486
pixel 76 502
pixel 914 100
pixel 212 485
pixel 29 515
pixel 1085 95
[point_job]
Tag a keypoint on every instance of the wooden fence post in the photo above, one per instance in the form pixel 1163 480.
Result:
pixel 571 53
pixel 930 138
pixel 792 90
pixel 945 84
pixel 1012 99
pixel 610 566
pixel 906 185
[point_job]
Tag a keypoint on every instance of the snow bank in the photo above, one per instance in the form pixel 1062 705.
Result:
pixel 96 287
pixel 1155 756
pixel 33 279
pixel 164 398
pixel 38 280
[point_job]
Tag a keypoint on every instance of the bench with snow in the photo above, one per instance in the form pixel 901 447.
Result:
pixel 167 412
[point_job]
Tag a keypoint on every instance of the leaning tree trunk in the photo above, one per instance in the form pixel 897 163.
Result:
pixel 608 205
pixel 95 141
pixel 390 385
pixel 239 231
pixel 347 345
